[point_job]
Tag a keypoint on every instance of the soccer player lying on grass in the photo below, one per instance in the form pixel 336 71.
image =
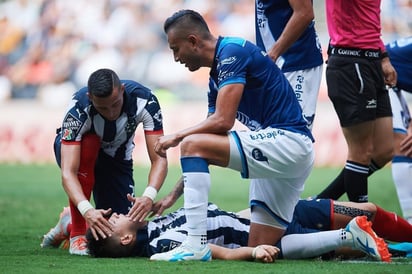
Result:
pixel 164 233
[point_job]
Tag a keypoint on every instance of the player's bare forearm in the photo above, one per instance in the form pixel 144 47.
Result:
pixel 166 202
pixel 263 253
pixel 302 16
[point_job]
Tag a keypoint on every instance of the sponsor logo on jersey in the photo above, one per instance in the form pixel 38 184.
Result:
pixel 224 74
pixel 266 135
pixel 80 113
pixel 228 61
pixel 71 126
pixel 158 116
pixel 257 154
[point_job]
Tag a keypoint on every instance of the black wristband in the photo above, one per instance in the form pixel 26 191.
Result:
pixel 384 55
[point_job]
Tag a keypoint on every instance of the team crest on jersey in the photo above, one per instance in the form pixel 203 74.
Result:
pixel 71 126
pixel 131 125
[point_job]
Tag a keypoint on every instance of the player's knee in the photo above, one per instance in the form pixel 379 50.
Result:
pixel 190 145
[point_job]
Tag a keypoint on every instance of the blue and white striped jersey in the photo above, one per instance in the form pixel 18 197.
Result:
pixel 268 99
pixel 139 106
pixel 271 19
pixel 165 233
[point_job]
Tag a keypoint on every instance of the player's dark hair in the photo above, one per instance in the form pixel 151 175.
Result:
pixel 102 82
pixel 107 248
pixel 187 18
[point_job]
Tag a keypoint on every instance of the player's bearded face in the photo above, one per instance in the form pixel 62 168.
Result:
pixel 184 52
pixel 192 62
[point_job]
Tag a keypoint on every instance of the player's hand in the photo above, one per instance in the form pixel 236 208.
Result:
pixel 98 223
pixel 142 206
pixel 389 72
pixel 160 206
pixel 266 253
pixel 165 142
pixel 406 146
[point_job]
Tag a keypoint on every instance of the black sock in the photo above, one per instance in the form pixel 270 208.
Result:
pixel 356 182
pixel 373 167
pixel 335 189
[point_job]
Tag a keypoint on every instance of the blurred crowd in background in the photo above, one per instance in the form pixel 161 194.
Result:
pixel 48 48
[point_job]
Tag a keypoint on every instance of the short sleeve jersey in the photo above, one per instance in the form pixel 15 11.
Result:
pixel 271 19
pixel 165 233
pixel 354 23
pixel 400 54
pixel 140 106
pixel 268 99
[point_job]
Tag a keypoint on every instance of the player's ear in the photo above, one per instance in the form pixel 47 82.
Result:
pixel 126 239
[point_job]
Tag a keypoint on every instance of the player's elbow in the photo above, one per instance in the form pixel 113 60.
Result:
pixel 223 125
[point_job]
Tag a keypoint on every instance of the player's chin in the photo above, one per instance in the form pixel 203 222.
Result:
pixel 192 68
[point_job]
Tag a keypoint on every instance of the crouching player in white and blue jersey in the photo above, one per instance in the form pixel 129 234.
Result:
pixel 400 54
pixel 275 151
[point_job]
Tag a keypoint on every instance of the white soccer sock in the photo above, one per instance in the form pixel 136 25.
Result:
pixel 300 246
pixel 402 177
pixel 196 193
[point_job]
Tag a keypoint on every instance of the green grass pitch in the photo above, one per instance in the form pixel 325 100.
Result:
pixel 31 198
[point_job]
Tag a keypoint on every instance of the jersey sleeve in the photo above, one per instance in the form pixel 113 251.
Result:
pixel 233 63
pixel 75 122
pixel 152 116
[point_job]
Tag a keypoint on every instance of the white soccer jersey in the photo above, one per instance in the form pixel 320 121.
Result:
pixel 165 233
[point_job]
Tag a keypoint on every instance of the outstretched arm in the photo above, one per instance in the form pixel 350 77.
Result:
pixel 263 253
pixel 142 206
pixel 166 202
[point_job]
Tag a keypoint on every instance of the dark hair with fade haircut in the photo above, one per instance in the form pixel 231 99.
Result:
pixel 186 17
pixel 102 82
pixel 107 248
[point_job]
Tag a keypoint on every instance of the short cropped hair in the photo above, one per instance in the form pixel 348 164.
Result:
pixel 102 82
pixel 107 248
pixel 186 18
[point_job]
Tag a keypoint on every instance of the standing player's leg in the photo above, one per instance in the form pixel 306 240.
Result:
pixel 401 164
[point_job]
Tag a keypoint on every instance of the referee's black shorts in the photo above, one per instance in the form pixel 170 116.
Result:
pixel 357 90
